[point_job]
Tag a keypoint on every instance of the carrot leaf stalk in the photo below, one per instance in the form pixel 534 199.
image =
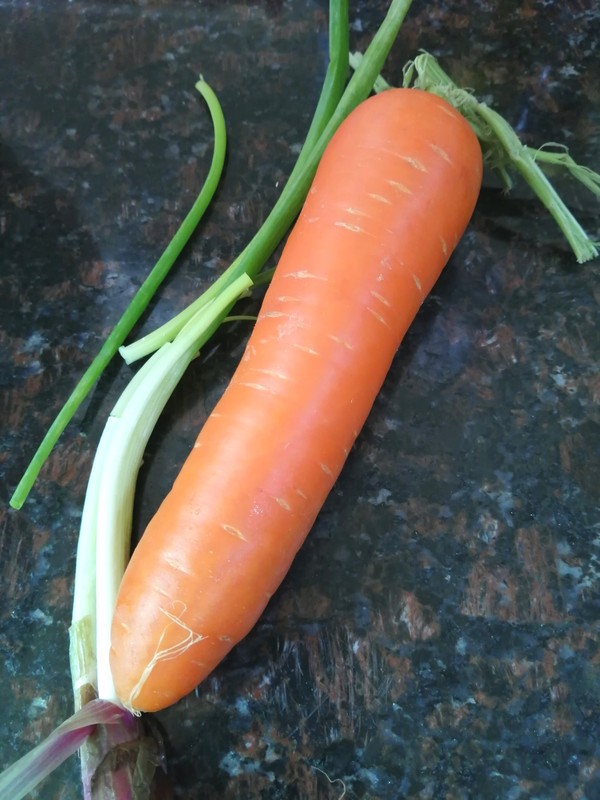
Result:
pixel 138 304
pixel 559 156
pixel 328 117
pixel 504 150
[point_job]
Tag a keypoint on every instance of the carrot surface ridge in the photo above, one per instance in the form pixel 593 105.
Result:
pixel 392 196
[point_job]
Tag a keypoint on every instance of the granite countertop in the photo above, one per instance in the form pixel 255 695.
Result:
pixel 437 636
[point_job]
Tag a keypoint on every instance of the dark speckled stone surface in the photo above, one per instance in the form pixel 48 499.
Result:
pixel 438 635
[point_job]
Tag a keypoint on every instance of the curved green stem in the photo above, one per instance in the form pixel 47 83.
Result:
pixel 522 160
pixel 559 157
pixel 138 304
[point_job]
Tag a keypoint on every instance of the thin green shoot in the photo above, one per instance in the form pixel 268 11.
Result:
pixel 240 318
pixel 559 157
pixel 138 304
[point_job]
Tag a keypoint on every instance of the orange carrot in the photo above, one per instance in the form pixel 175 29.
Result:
pixel 392 196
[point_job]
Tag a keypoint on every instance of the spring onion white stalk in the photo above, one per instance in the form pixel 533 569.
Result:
pixel 104 541
pixel 82 633
pixel 106 520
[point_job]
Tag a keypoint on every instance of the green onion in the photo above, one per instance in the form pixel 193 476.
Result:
pixel 138 304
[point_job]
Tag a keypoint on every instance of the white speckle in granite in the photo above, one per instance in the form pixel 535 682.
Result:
pixel 369 776
pixel 565 569
pixel 382 496
pixel 39 616
pixel 563 548
pixel 592 576
pixel 271 754
pixel 461 646
pixel 558 377
pixel 488 528
pixel 34 342
pixel 38 706
pixel 235 765
pixel 568 71
pixel 266 680
pixel 242 707
pixel 231 764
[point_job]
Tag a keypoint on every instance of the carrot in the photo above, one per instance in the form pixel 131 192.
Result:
pixel 392 196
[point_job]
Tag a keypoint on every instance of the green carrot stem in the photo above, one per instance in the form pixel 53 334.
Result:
pixel 137 305
pixel 585 175
pixel 241 318
pixel 503 148
pixel 277 223
pixel 528 167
